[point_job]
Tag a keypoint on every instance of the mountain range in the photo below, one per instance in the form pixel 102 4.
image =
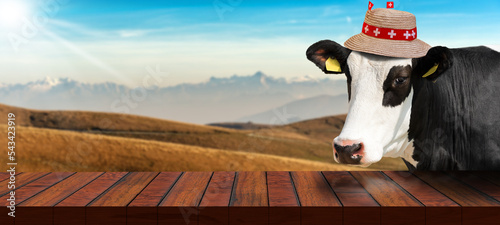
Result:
pixel 235 98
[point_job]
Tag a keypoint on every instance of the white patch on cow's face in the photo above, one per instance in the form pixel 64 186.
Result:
pixel 382 130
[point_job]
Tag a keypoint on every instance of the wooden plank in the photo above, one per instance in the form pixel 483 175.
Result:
pixel 4 176
pixel 21 180
pixel 143 209
pixel 214 207
pixel 478 183
pixel 257 197
pixel 31 189
pixel 493 177
pixel 456 190
pixel 284 207
pixel 39 208
pixel 354 198
pixel 180 204
pixel 477 207
pixel 249 203
pixel 72 209
pixel 110 207
pixel 439 209
pixel 397 206
pixel 61 190
pixel 318 201
pixel 88 193
pixel 37 186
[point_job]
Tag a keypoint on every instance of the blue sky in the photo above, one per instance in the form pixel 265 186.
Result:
pixel 99 41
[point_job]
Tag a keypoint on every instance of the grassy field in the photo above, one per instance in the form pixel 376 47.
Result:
pixel 57 150
pixel 307 142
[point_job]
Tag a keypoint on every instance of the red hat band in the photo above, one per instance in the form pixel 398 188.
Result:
pixel 389 33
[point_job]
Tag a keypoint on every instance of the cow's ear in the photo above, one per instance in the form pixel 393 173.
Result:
pixel 433 64
pixel 329 56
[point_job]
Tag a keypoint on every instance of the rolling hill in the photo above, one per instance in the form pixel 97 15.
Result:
pixel 307 140
pixel 56 150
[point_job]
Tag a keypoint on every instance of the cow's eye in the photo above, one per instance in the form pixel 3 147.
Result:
pixel 399 80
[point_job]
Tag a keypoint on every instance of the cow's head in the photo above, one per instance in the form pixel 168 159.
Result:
pixel 380 95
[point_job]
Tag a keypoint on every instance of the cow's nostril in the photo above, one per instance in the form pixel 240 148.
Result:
pixel 348 149
pixel 356 148
pixel 350 154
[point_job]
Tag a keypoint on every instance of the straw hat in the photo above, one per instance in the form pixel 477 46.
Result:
pixel 389 32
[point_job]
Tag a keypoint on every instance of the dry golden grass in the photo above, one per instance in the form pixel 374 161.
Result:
pixel 131 126
pixel 55 150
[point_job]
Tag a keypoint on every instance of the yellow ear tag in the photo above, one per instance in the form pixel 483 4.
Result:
pixel 333 65
pixel 431 70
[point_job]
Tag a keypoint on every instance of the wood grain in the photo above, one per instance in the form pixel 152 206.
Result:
pixel 39 208
pixel 319 202
pixel 110 207
pixel 123 192
pixel 30 190
pixel 214 207
pixel 277 197
pixel 143 209
pixel 21 180
pixel 478 183
pixel 439 209
pixel 477 207
pixel 493 177
pixel 249 203
pixel 90 192
pixel 61 190
pixel 180 204
pixel 397 206
pixel 37 186
pixel 457 191
pixel 284 207
pixel 4 176
pixel 354 198
pixel 72 209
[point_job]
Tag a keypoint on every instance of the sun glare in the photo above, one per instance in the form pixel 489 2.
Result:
pixel 11 12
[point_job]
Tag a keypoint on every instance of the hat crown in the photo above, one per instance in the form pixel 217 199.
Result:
pixel 390 18
pixel 388 32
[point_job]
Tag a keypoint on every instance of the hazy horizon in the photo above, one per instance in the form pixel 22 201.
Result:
pixel 49 78
pixel 258 98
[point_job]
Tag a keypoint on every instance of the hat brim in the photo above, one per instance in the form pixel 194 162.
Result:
pixel 393 48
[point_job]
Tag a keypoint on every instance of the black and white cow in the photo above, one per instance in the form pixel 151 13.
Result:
pixel 438 112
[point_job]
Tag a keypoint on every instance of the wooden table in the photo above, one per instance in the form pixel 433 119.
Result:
pixel 218 198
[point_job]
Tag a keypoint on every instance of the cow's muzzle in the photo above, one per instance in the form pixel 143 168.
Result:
pixel 348 154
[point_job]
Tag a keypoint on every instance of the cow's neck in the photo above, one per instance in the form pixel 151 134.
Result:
pixel 401 146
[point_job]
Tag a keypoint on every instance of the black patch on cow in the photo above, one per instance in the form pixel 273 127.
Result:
pixel 397 85
pixel 320 51
pixel 349 80
pixel 455 122
pixel 438 55
pixel 410 166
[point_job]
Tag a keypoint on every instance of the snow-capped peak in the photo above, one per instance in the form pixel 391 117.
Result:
pixel 44 85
